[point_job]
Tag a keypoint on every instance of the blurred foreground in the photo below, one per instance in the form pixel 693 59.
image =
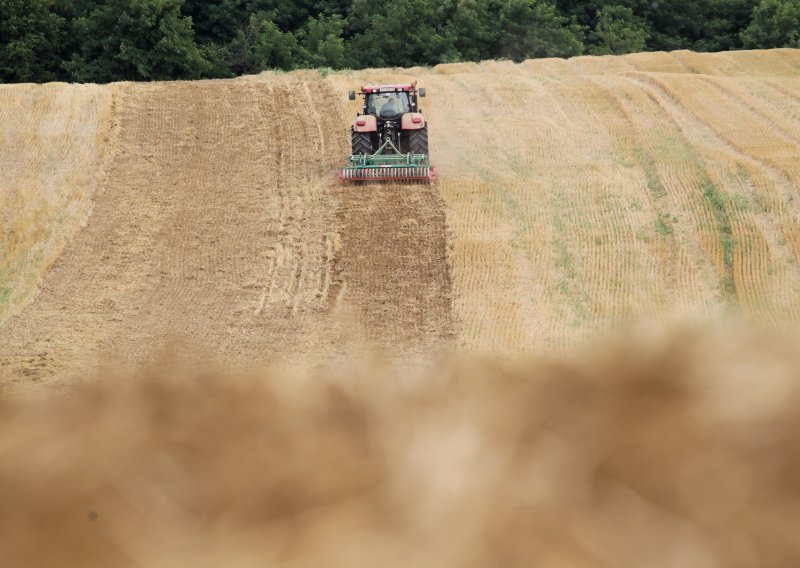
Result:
pixel 653 450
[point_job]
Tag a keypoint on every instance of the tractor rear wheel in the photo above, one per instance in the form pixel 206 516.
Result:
pixel 418 141
pixel 362 143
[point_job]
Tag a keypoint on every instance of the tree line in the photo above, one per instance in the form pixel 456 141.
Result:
pixel 113 40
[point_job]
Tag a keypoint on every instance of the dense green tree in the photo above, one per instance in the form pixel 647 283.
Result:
pixel 97 40
pixel 136 40
pixel 535 28
pixel 401 32
pixel 776 23
pixel 473 26
pixel 321 42
pixel 220 21
pixel 676 24
pixel 585 12
pixel 722 23
pixel 218 61
pixel 262 45
pixel 618 30
pixel 702 25
pixel 30 37
pixel 216 22
pixel 303 33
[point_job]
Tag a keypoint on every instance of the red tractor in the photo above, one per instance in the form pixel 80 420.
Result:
pixel 390 136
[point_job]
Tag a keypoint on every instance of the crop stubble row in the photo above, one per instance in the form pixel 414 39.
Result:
pixel 52 143
pixel 577 194
pixel 220 234
pixel 588 192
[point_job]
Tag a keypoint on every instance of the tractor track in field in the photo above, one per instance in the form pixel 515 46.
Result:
pixel 573 196
pixel 220 234
pixel 398 231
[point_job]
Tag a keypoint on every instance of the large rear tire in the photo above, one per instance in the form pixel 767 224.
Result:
pixel 362 143
pixel 418 141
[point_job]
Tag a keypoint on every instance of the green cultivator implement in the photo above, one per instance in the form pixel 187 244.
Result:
pixel 390 137
pixel 388 164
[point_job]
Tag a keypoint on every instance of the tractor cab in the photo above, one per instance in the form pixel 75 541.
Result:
pixel 387 106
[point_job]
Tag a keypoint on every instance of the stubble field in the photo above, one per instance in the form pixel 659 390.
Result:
pixel 165 247
pixel 573 196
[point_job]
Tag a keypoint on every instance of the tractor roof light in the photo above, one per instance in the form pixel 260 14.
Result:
pixel 388 88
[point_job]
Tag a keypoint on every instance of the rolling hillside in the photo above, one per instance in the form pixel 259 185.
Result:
pixel 574 195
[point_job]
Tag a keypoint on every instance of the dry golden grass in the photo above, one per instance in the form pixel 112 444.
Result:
pixel 574 195
pixel 587 192
pixel 221 227
pixel 53 139
pixel 655 450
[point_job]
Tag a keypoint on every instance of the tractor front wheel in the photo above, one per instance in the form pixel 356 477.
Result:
pixel 362 143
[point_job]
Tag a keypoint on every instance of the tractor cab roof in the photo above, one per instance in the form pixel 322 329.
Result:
pixel 367 89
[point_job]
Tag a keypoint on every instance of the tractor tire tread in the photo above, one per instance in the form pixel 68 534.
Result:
pixel 418 141
pixel 362 143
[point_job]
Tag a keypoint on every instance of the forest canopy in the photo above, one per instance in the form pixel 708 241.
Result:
pixel 142 40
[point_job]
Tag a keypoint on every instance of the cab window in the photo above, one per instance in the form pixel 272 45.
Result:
pixel 387 105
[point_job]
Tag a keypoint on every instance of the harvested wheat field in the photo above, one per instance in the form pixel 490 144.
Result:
pixel 205 218
pixel 187 294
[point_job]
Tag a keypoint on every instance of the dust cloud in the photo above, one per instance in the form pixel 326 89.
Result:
pixel 651 449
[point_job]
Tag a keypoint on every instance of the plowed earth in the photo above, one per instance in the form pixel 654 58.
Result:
pixel 218 232
pixel 573 196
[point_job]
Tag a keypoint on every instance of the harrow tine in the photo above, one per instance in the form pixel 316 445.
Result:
pixel 408 173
